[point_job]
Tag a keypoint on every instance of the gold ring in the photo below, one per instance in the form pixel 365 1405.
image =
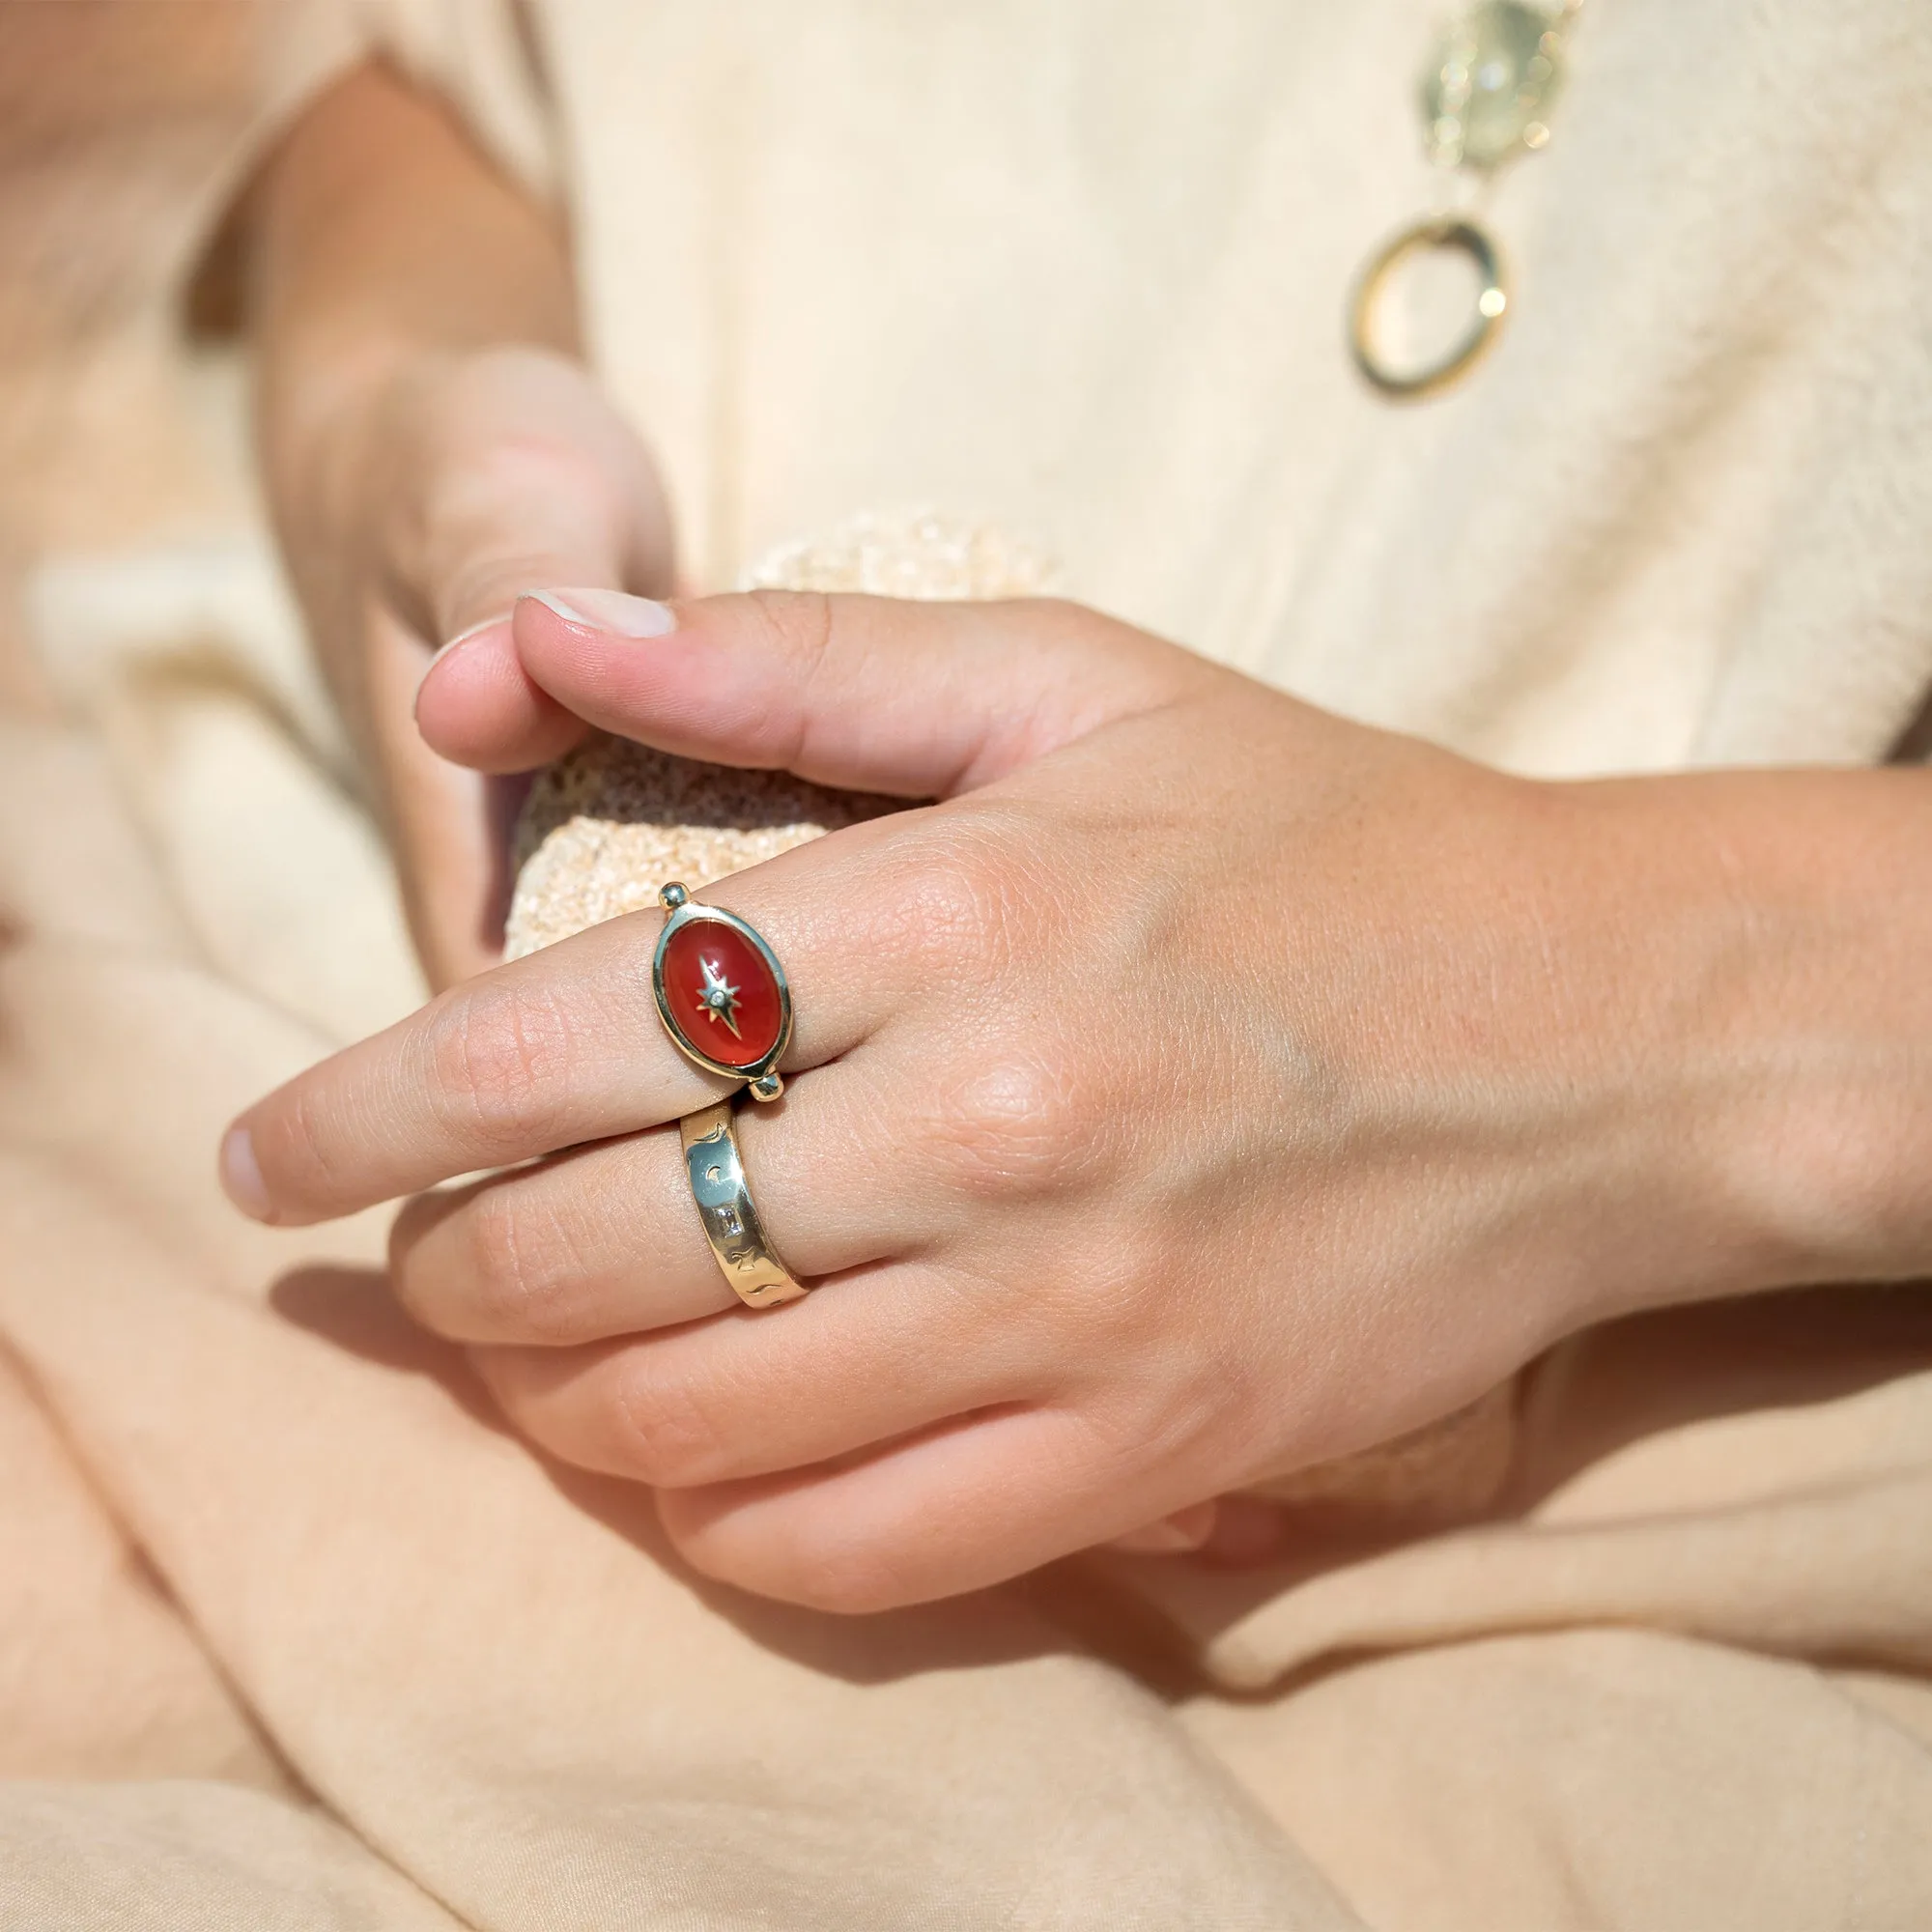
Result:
pixel 1491 304
pixel 731 1224
pixel 721 992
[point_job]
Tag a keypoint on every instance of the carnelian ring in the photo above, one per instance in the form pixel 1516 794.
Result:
pixel 721 992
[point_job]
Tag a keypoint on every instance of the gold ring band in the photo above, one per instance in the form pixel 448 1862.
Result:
pixel 717 1173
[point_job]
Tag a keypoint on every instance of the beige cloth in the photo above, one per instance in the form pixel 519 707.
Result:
pixel 291 1633
pixel 1078 272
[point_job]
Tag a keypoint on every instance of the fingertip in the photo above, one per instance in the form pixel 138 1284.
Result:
pixel 468 666
pixel 477 706
pixel 646 670
pixel 591 648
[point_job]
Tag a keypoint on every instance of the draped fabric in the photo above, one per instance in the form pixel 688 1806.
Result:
pixel 292 1632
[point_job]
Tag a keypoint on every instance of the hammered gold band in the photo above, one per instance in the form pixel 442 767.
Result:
pixel 718 1184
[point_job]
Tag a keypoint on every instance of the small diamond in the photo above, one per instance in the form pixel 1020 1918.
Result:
pixel 718 1001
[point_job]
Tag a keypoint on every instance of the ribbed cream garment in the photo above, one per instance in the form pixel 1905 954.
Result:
pixel 291 1633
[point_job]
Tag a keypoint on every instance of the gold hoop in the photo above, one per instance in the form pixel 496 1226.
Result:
pixel 1442 231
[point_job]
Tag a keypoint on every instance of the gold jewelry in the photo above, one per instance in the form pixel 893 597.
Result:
pixel 1485 100
pixel 731 1225
pixel 721 992
pixel 1491 304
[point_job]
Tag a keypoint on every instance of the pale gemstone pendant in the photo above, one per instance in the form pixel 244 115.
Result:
pixel 1489 84
pixel 1486 96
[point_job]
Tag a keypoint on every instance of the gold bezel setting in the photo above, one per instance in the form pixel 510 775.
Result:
pixel 761 1076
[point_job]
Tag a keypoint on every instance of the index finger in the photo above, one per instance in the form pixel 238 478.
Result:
pixel 559 1047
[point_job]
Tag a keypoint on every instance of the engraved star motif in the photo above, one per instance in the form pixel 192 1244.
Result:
pixel 718 1001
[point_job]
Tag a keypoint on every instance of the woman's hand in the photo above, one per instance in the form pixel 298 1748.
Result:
pixel 434 449
pixel 471 478
pixel 1203 1087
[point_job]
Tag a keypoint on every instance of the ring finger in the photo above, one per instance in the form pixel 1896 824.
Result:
pixel 607 1240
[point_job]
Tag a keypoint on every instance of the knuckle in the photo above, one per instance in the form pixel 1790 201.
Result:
pixel 518 1272
pixel 830 1569
pixel 668 1432
pixel 957 904
pixel 499 1061
pixel 482 480
pixel 1164 1419
pixel 506 513
pixel 1015 1127
pixel 799 627
pixel 799 622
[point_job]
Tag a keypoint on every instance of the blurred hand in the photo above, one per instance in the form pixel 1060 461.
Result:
pixel 461 482
pixel 1204 1088
pixel 433 447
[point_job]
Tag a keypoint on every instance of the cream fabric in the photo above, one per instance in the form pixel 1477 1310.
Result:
pixel 291 1633
pixel 1078 272
pixel 266 1547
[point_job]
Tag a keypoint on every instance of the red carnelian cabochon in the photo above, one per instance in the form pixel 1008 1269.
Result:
pixel 735 963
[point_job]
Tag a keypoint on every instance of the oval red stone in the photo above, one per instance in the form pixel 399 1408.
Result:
pixel 723 995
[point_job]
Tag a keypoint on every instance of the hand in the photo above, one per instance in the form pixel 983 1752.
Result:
pixel 461 482
pixel 433 447
pixel 1205 1087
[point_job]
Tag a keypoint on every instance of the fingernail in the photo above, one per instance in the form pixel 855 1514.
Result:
pixel 241 1176
pixel 610 610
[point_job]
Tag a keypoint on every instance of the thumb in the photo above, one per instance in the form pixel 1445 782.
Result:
pixel 539 484
pixel 915 700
